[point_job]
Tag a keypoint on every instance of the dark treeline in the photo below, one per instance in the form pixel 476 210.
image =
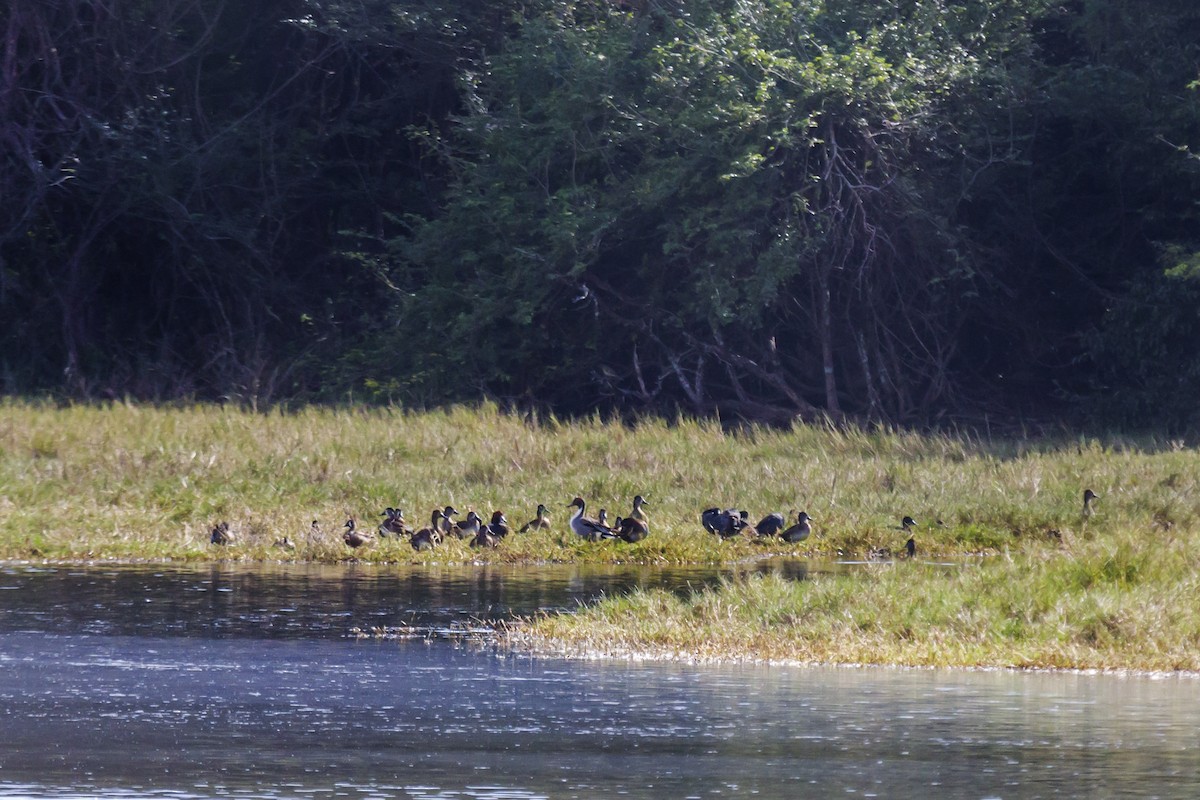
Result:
pixel 883 209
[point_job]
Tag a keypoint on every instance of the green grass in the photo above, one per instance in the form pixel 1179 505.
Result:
pixel 1034 583
pixel 140 482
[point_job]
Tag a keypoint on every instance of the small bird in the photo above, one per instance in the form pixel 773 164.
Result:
pixel 907 524
pixel 770 525
pixel 636 526
pixel 540 523
pixel 468 527
pixel 354 537
pixel 585 528
pixel 498 527
pixel 726 524
pixel 394 524
pixel 447 523
pixel 1089 497
pixel 220 534
pixel 800 531
pixel 428 538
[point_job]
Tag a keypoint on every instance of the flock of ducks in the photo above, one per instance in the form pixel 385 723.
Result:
pixel 725 523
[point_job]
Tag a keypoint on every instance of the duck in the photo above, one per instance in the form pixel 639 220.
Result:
pixel 539 523
pixel 499 525
pixel 1089 497
pixel 800 531
pixel 220 534
pixel 469 526
pixel 354 537
pixel 724 523
pixel 447 523
pixel 585 528
pixel 485 538
pixel 906 525
pixel 428 538
pixel 285 543
pixel 770 525
pixel 314 530
pixel 636 526
pixel 394 524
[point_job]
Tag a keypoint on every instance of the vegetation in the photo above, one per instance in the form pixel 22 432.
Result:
pixel 1008 570
pixel 862 209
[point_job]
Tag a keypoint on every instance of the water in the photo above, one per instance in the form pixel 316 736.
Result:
pixel 225 682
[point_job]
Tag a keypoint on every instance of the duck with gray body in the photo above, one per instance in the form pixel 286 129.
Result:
pixel 582 526
pixel 800 531
pixel 770 525
pixel 353 537
pixel 725 523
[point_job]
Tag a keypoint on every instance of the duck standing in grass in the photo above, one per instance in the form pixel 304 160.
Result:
pixel 800 531
pixel 770 525
pixel 394 524
pixel 636 526
pixel 910 547
pixel 431 537
pixel 469 526
pixel 447 522
pixel 485 538
pixel 1089 497
pixel 540 523
pixel 584 528
pixel 220 534
pixel 726 524
pixel 353 537
pixel 498 527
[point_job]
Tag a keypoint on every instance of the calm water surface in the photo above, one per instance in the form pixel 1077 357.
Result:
pixel 223 682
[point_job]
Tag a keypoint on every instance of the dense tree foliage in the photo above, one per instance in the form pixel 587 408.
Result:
pixel 887 209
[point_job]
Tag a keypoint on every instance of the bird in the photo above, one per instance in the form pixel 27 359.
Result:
pixel 585 528
pixel 724 523
pixel 770 525
pixel 636 525
pixel 447 523
pixel 428 538
pixel 602 517
pixel 354 537
pixel 800 531
pixel 906 525
pixel 394 524
pixel 285 543
pixel 220 534
pixel 485 538
pixel 468 527
pixel 540 523
pixel 1089 497
pixel 314 531
pixel 499 525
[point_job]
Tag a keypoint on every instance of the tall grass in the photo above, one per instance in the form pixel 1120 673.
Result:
pixel 128 481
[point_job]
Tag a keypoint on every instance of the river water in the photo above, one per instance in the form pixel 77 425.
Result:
pixel 251 683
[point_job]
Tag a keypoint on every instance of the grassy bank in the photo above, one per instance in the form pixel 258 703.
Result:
pixel 1052 589
pixel 138 482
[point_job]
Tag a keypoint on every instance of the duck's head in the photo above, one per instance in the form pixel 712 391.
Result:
pixel 639 501
pixel 349 524
pixel 907 522
pixel 449 511
pixel 473 517
pixel 576 503
pixel 542 510
pixel 803 517
pixel 1089 496
pixel 498 518
pixel 437 516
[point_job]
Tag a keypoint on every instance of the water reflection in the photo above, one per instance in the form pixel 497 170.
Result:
pixel 290 601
